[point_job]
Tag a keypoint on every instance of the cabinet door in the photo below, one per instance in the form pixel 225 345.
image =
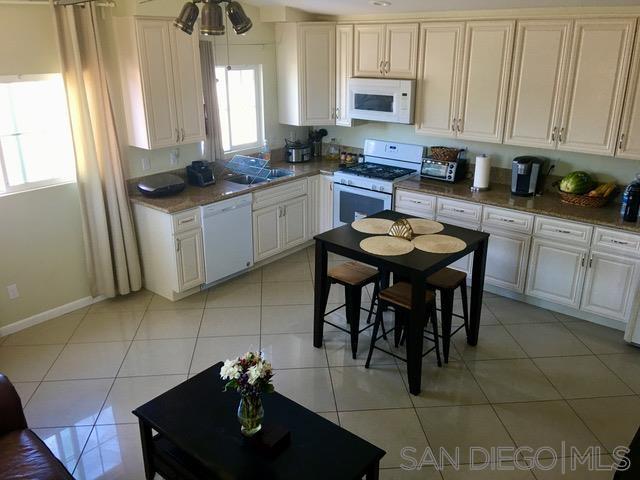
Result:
pixel 368 50
pixel 556 272
pixel 326 203
pixel 611 286
pixel 537 82
pixel 344 71
pixel 266 232
pixel 507 259
pixel 157 78
pixel 465 264
pixel 294 222
pixel 187 79
pixel 313 204
pixel 317 71
pixel 189 259
pixel 485 80
pixel 599 63
pixel 628 145
pixel 439 78
pixel 401 50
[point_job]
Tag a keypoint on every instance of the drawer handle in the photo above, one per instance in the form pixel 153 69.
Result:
pixel 566 232
pixel 508 220
pixel 459 210
pixel 186 220
pixel 619 242
pixel 417 201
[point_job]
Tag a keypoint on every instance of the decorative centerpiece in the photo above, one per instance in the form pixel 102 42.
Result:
pixel 250 375
pixel 402 229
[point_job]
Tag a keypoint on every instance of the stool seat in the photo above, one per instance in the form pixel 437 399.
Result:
pixel 400 294
pixel 447 278
pixel 352 273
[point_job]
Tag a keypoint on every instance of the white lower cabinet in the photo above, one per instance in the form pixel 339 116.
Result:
pixel 465 264
pixel 294 222
pixel 556 272
pixel 189 259
pixel 314 184
pixel 325 203
pixel 611 286
pixel 507 259
pixel 266 232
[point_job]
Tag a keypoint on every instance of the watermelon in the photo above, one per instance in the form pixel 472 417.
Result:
pixel 577 183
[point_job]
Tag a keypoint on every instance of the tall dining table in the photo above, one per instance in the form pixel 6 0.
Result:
pixel 414 267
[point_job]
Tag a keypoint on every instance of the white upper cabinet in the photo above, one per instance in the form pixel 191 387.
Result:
pixel 306 73
pixel 628 145
pixel 161 82
pixel 386 50
pixel 485 80
pixel 537 82
pixel 344 71
pixel 368 50
pixel 601 53
pixel 439 78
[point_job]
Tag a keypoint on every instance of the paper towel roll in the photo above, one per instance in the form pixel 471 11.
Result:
pixel 482 173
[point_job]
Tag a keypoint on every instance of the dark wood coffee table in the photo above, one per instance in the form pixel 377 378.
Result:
pixel 199 438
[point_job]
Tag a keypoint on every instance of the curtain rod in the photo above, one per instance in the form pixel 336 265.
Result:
pixel 107 4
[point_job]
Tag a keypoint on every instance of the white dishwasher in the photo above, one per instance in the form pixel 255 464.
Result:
pixel 228 237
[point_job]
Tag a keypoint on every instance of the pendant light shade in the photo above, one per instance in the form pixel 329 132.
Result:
pixel 241 22
pixel 212 19
pixel 187 18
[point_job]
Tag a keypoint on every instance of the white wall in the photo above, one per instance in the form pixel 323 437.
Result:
pixel 604 168
pixel 41 233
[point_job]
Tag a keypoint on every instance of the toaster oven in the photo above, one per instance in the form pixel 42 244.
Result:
pixel 447 171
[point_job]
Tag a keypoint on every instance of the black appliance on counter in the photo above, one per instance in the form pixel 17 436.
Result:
pixel 200 174
pixel 445 170
pixel 161 185
pixel 527 176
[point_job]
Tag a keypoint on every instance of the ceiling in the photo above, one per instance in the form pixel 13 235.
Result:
pixel 362 7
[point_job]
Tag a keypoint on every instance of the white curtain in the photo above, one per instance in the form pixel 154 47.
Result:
pixel 213 145
pixel 111 250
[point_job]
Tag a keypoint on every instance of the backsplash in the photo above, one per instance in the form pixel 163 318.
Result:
pixel 603 168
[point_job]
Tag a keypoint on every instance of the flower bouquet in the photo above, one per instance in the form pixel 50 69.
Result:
pixel 250 375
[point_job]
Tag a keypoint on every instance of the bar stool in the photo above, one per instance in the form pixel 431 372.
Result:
pixel 399 297
pixel 353 276
pixel 446 281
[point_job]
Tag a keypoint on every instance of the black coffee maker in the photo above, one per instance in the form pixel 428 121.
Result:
pixel 200 174
pixel 526 175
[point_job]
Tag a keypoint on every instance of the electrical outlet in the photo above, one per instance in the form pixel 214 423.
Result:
pixel 173 157
pixel 12 290
pixel 145 164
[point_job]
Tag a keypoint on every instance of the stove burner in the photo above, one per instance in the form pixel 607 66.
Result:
pixel 376 170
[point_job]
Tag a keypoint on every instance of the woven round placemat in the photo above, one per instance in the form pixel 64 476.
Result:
pixel 422 226
pixel 387 246
pixel 374 226
pixel 439 244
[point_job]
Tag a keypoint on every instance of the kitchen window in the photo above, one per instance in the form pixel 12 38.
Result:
pixel 239 92
pixel 36 148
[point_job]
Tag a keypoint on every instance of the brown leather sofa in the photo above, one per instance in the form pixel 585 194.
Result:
pixel 22 454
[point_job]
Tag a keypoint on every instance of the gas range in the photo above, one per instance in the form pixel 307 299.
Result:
pixel 366 188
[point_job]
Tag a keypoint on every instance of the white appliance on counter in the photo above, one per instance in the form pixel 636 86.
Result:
pixel 228 237
pixel 367 188
pixel 382 99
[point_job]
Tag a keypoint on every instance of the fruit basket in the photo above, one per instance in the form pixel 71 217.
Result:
pixel 597 197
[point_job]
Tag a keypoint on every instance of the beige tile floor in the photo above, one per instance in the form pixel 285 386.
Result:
pixel 536 378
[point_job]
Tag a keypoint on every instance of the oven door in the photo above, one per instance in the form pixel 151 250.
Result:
pixel 352 203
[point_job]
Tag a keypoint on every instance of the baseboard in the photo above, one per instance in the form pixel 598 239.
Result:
pixel 48 315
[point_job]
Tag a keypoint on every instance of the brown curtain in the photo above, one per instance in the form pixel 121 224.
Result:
pixel 111 251
pixel 213 145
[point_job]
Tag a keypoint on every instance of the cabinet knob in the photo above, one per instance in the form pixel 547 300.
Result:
pixel 553 134
pixel 182 136
pixel 621 142
pixel 560 135
pixel 177 135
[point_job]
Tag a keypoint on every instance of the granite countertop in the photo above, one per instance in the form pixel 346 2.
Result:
pixel 547 204
pixel 192 197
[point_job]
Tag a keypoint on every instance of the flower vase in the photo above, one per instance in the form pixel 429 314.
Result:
pixel 250 414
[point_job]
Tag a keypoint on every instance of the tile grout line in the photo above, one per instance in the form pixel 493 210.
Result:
pixel 195 345
pixel 93 427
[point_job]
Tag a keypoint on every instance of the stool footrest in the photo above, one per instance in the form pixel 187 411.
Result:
pixel 348 331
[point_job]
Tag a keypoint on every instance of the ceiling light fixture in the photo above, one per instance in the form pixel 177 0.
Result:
pixel 379 3
pixel 212 22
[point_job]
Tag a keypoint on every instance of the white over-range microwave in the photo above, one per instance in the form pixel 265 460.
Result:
pixel 381 99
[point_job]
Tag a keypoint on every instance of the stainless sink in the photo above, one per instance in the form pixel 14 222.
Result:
pixel 279 173
pixel 246 179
